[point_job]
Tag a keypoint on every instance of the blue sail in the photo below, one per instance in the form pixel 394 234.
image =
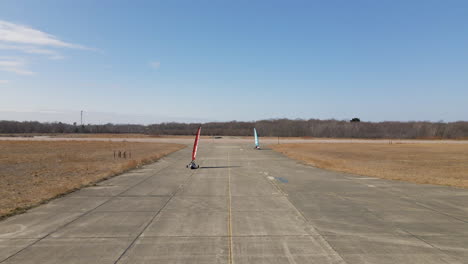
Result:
pixel 256 138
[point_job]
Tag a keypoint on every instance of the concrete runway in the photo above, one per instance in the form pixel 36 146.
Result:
pixel 242 206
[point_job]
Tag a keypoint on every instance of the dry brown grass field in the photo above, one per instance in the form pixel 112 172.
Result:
pixel 93 135
pixel 102 135
pixel 77 135
pixel 442 164
pixel 105 135
pixel 35 171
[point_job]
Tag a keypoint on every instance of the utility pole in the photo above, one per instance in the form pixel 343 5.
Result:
pixel 82 117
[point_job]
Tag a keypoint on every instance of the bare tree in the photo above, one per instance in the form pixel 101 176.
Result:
pixel 272 127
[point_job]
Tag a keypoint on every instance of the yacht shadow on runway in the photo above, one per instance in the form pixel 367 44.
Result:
pixel 220 167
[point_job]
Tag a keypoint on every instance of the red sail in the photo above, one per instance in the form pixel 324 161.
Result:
pixel 195 144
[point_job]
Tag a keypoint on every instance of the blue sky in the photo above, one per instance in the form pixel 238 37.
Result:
pixel 157 61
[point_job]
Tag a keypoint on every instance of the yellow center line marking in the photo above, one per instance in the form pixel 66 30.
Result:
pixel 229 211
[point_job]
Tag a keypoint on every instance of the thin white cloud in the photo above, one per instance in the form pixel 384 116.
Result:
pixel 33 50
pixel 25 39
pixel 4 82
pixel 14 65
pixel 20 34
pixel 155 64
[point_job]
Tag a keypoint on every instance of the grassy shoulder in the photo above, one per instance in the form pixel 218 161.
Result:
pixel 32 172
pixel 441 164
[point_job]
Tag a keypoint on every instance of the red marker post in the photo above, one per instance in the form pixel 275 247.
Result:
pixel 192 165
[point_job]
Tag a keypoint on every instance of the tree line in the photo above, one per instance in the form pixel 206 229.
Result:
pixel 273 128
